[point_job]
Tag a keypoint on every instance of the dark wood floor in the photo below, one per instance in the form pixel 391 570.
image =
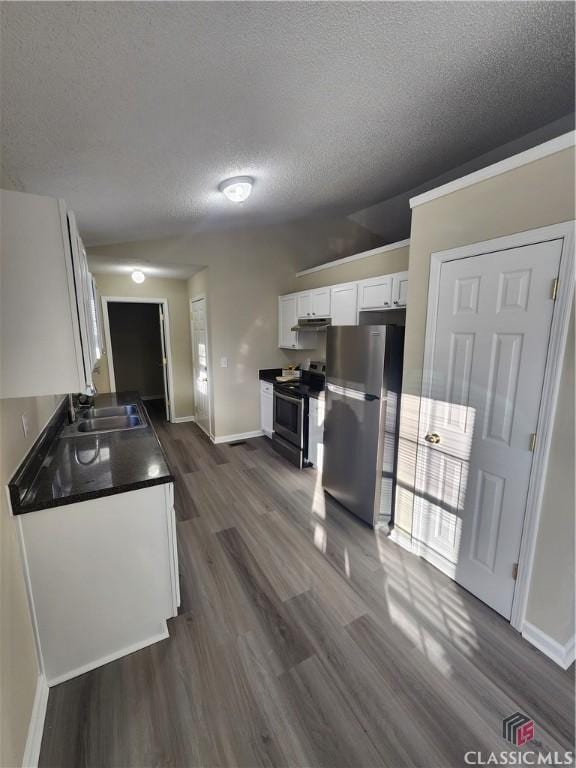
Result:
pixel 305 639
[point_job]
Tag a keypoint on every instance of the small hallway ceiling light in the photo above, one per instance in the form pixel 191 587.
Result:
pixel 138 276
pixel 237 189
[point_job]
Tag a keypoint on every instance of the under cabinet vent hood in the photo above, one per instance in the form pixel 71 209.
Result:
pixel 312 324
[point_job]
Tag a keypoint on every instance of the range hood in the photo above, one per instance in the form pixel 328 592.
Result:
pixel 312 324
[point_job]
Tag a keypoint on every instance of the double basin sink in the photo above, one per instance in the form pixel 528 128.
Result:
pixel 115 418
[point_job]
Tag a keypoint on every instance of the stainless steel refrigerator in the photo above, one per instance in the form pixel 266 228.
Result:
pixel 363 386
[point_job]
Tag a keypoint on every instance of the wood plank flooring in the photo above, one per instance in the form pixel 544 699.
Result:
pixel 304 639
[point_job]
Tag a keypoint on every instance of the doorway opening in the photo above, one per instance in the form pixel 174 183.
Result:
pixel 138 345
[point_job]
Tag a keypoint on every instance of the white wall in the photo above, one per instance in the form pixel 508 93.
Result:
pixel 19 666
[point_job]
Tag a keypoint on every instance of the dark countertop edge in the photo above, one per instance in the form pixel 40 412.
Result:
pixel 43 443
pixel 89 495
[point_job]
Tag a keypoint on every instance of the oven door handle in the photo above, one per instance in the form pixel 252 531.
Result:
pixel 282 396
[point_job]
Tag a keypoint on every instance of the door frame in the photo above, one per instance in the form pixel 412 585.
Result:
pixel 200 297
pixel 108 340
pixel 551 386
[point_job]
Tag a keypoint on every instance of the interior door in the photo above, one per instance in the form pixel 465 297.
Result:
pixel 482 398
pixel 164 363
pixel 200 357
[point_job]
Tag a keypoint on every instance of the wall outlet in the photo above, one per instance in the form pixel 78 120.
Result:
pixel 223 362
pixel 25 427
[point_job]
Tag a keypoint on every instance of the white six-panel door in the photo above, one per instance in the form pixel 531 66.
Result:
pixel 200 358
pixel 488 356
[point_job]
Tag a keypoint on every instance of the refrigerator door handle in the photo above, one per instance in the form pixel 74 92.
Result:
pixel 352 393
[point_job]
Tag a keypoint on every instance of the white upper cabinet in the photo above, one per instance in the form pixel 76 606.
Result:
pixel 310 304
pixel 321 302
pixel 340 303
pixel 287 318
pixel 399 289
pixel 375 293
pixel 344 304
pixel 304 305
pixel 44 336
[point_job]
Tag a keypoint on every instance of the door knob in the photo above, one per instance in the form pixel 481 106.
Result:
pixel 433 438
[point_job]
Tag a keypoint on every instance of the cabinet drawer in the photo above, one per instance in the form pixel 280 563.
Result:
pixel 266 388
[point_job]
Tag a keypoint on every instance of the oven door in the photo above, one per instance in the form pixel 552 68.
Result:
pixel 289 418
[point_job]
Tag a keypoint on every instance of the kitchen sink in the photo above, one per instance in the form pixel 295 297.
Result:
pixel 113 410
pixel 109 423
pixel 114 418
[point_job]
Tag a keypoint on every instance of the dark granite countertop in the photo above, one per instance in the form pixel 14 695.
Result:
pixel 60 471
pixel 269 374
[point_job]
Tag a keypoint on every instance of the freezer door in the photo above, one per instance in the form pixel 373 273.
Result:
pixel 355 357
pixel 352 451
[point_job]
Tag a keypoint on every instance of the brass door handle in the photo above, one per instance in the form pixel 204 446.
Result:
pixel 433 438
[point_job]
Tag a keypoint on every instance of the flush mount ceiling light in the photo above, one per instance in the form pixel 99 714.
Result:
pixel 138 276
pixel 237 189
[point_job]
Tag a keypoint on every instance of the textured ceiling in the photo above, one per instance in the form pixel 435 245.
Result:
pixel 133 112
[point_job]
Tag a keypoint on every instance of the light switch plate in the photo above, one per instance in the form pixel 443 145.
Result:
pixel 223 362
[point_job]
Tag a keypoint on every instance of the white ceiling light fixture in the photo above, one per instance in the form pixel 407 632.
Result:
pixel 237 189
pixel 138 276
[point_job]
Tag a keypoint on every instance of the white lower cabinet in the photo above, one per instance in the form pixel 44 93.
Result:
pixel 102 577
pixel 316 432
pixel 267 408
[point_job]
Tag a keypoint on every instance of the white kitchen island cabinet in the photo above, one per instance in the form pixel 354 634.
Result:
pixel 102 577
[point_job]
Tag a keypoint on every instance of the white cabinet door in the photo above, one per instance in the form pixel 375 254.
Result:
pixel 114 584
pixel 399 289
pixel 266 408
pixel 42 350
pixel 321 302
pixel 287 317
pixel 304 304
pixel 343 300
pixel 375 293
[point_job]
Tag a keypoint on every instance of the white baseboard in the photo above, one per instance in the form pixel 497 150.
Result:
pixel 563 655
pixel 239 436
pixel 181 419
pixel 36 726
pixel 402 538
pixel 107 659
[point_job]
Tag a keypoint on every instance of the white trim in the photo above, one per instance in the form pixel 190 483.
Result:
pixel 561 654
pixel 355 257
pixel 557 344
pixel 204 297
pixel 111 657
pixel 36 725
pixel 551 147
pixel 181 419
pixel 31 605
pixel 139 300
pixel 239 436
pixel 402 538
